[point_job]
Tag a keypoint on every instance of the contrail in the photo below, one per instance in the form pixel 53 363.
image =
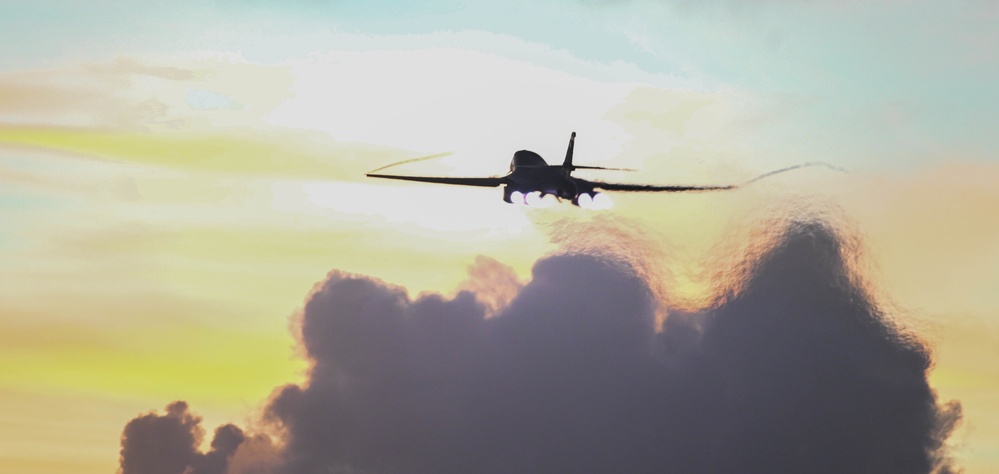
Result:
pixel 789 168
pixel 414 160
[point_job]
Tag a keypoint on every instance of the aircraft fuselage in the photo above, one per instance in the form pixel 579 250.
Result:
pixel 529 173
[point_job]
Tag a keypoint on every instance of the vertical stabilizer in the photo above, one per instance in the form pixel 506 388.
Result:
pixel 568 153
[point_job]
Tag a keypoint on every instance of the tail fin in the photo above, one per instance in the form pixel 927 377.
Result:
pixel 568 153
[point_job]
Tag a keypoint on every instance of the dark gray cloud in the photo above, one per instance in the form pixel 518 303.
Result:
pixel 797 371
pixel 800 372
pixel 227 439
pixel 168 444
pixel 155 444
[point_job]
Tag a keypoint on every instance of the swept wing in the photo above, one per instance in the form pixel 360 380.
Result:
pixel 481 182
pixel 652 188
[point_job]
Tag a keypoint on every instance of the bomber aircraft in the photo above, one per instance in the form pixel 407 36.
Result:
pixel 529 174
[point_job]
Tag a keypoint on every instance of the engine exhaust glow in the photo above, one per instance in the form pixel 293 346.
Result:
pixel 532 199
pixel 598 201
pixel 535 200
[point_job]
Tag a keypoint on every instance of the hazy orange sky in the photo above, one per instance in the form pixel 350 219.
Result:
pixel 177 176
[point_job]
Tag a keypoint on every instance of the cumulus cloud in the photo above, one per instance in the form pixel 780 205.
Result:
pixel 168 444
pixel 799 371
pixel 493 283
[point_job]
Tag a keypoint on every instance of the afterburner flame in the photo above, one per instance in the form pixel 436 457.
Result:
pixel 598 202
pixel 517 197
pixel 536 200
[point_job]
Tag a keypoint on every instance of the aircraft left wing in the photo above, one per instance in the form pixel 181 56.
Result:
pixel 482 182
pixel 654 188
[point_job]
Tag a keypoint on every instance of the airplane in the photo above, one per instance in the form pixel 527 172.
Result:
pixel 529 173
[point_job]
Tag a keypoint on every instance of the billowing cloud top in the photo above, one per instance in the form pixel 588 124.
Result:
pixel 153 444
pixel 798 372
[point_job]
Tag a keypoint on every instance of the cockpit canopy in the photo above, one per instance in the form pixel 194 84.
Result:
pixel 526 158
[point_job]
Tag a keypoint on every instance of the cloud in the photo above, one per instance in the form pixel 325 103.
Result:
pixel 493 283
pixel 799 371
pixel 194 92
pixel 200 99
pixel 112 94
pixel 168 444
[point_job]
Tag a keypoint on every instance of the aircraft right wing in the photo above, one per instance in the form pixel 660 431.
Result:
pixel 482 182
pixel 654 188
pixel 679 189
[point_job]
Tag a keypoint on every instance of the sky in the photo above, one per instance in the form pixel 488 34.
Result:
pixel 192 258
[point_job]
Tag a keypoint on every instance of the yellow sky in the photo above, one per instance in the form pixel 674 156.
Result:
pixel 154 250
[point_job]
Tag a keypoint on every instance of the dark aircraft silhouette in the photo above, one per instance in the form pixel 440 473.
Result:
pixel 529 173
